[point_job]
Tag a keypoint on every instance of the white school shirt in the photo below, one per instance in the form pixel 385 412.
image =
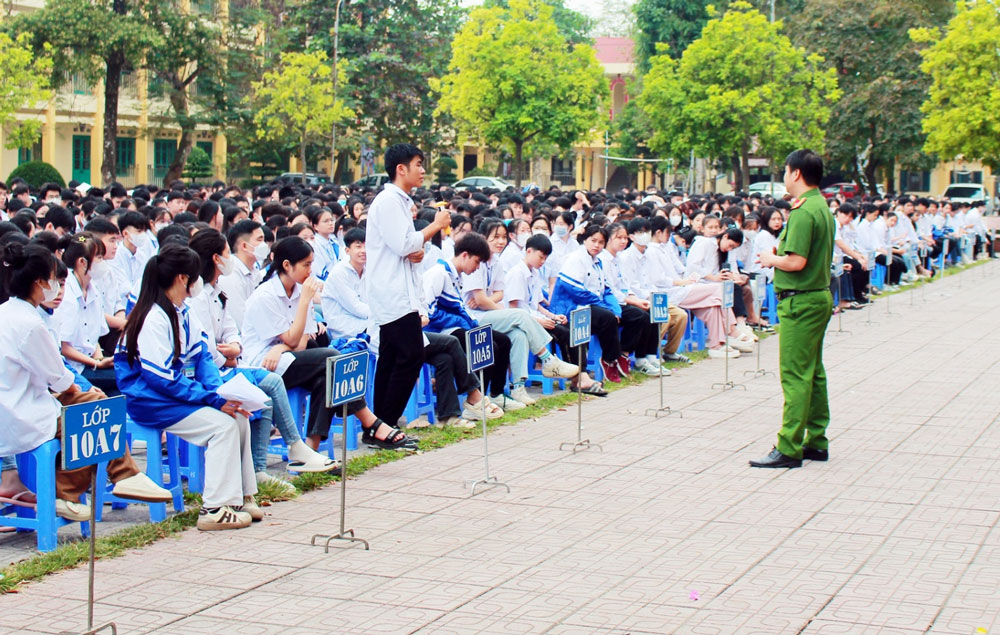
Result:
pixel 114 290
pixel 269 313
pixel 392 281
pixel 325 256
pixel 238 287
pixel 30 366
pixel 129 265
pixel 343 299
pixel 765 241
pixel 524 285
pixel 510 256
pixel 216 319
pixel 925 227
pixel 613 275
pixel 666 269
pixel 703 258
pixel 432 253
pixel 637 268
pixel 974 221
pixel 561 250
pixel 81 321
pixel 489 278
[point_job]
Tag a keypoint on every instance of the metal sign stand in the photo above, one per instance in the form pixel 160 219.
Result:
pixel 728 288
pixel 579 337
pixel 659 313
pixel 758 301
pixel 479 347
pixel 102 420
pixel 338 371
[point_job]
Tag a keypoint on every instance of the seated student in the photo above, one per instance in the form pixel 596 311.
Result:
pixel 519 231
pixel 279 332
pixel 223 339
pixel 460 225
pixel 855 264
pixel 446 313
pixel 156 219
pixel 771 223
pixel 444 352
pixel 131 256
pixel 81 316
pixel 165 369
pixel 711 260
pixel 111 284
pixel 583 283
pixel 33 377
pixel 343 297
pixel 327 251
pixel 524 285
pixel 246 242
pixel 483 295
pixel 661 270
pixel 639 335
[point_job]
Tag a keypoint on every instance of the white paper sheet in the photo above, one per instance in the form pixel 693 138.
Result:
pixel 240 389
pixel 284 362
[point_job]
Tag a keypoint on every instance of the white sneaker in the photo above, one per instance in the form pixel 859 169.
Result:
pixel 722 352
pixel 655 363
pixel 141 488
pixel 557 368
pixel 644 366
pixel 746 330
pixel 221 518
pixel 742 343
pixel 72 511
pixel 284 488
pixel 251 507
pixel 475 412
pixel 521 393
pixel 507 403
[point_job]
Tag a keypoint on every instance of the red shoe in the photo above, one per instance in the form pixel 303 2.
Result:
pixel 624 365
pixel 611 372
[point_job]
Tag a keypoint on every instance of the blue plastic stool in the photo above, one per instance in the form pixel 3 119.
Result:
pixel 535 375
pixel 593 359
pixel 421 399
pixel 299 400
pixel 166 475
pixel 772 304
pixel 191 459
pixel 37 470
pixel 877 276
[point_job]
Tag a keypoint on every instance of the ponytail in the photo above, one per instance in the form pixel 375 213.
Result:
pixel 22 266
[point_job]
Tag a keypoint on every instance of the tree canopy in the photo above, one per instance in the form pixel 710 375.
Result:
pixel 962 110
pixel 741 87
pixel 515 80
pixel 26 82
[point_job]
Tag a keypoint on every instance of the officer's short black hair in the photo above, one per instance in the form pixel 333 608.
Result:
pixel 808 163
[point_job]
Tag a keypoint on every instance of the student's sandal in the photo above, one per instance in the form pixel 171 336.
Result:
pixel 395 440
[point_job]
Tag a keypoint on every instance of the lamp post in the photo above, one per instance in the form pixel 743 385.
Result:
pixel 333 128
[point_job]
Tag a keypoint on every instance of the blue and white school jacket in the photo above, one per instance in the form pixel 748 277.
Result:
pixel 163 389
pixel 443 295
pixel 582 282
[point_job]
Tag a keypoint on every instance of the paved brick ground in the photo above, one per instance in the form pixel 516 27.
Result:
pixel 666 531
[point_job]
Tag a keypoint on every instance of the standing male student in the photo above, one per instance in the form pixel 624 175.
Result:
pixel 802 282
pixel 395 249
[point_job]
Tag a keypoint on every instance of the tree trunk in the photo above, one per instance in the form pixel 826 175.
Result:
pixel 112 89
pixel 179 101
pixel 302 157
pixel 745 165
pixel 870 176
pixel 737 172
pixel 518 161
pixel 890 169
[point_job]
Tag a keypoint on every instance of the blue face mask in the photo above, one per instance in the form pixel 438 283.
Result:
pixel 560 230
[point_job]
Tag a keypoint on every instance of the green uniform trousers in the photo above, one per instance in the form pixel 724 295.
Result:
pixel 803 319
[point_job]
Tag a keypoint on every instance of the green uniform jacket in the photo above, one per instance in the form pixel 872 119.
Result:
pixel 808 233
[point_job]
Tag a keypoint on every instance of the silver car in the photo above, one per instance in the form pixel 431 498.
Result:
pixel 969 193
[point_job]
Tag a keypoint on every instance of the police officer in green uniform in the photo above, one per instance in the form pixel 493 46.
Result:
pixel 802 283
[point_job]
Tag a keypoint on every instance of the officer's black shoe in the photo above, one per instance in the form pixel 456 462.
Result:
pixel 811 454
pixel 776 459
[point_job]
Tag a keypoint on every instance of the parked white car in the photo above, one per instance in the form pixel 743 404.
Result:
pixel 479 182
pixel 774 188
pixel 968 193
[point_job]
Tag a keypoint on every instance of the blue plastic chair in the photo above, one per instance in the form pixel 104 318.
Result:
pixel 166 474
pixel 422 400
pixel 37 470
pixel 877 276
pixel 771 301
pixel 535 375
pixel 299 399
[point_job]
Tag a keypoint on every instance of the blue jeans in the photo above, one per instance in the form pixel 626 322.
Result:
pixel 279 414
pixel 7 463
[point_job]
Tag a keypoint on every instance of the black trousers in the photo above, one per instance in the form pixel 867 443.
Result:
pixel 103 378
pixel 604 325
pixel 495 375
pixel 638 335
pixel 978 247
pixel 896 268
pixel 859 277
pixel 400 357
pixel 308 372
pixel 451 372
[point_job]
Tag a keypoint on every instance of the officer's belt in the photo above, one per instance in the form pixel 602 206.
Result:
pixel 787 294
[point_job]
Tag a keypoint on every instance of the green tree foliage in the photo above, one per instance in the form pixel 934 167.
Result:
pixel 741 87
pixel 445 167
pixel 675 23
pixel 573 25
pixel 393 48
pixel 877 120
pixel 629 131
pixel 37 174
pixel 199 164
pixel 95 39
pixel 515 80
pixel 963 108
pixel 26 83
pixel 295 100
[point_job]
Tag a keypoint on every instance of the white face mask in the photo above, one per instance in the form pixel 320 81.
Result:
pixel 196 287
pixel 50 294
pixel 539 231
pixel 227 266
pixel 140 239
pixel 675 220
pixel 641 239
pixel 521 239
pixel 99 269
pixel 158 226
pixel 261 252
